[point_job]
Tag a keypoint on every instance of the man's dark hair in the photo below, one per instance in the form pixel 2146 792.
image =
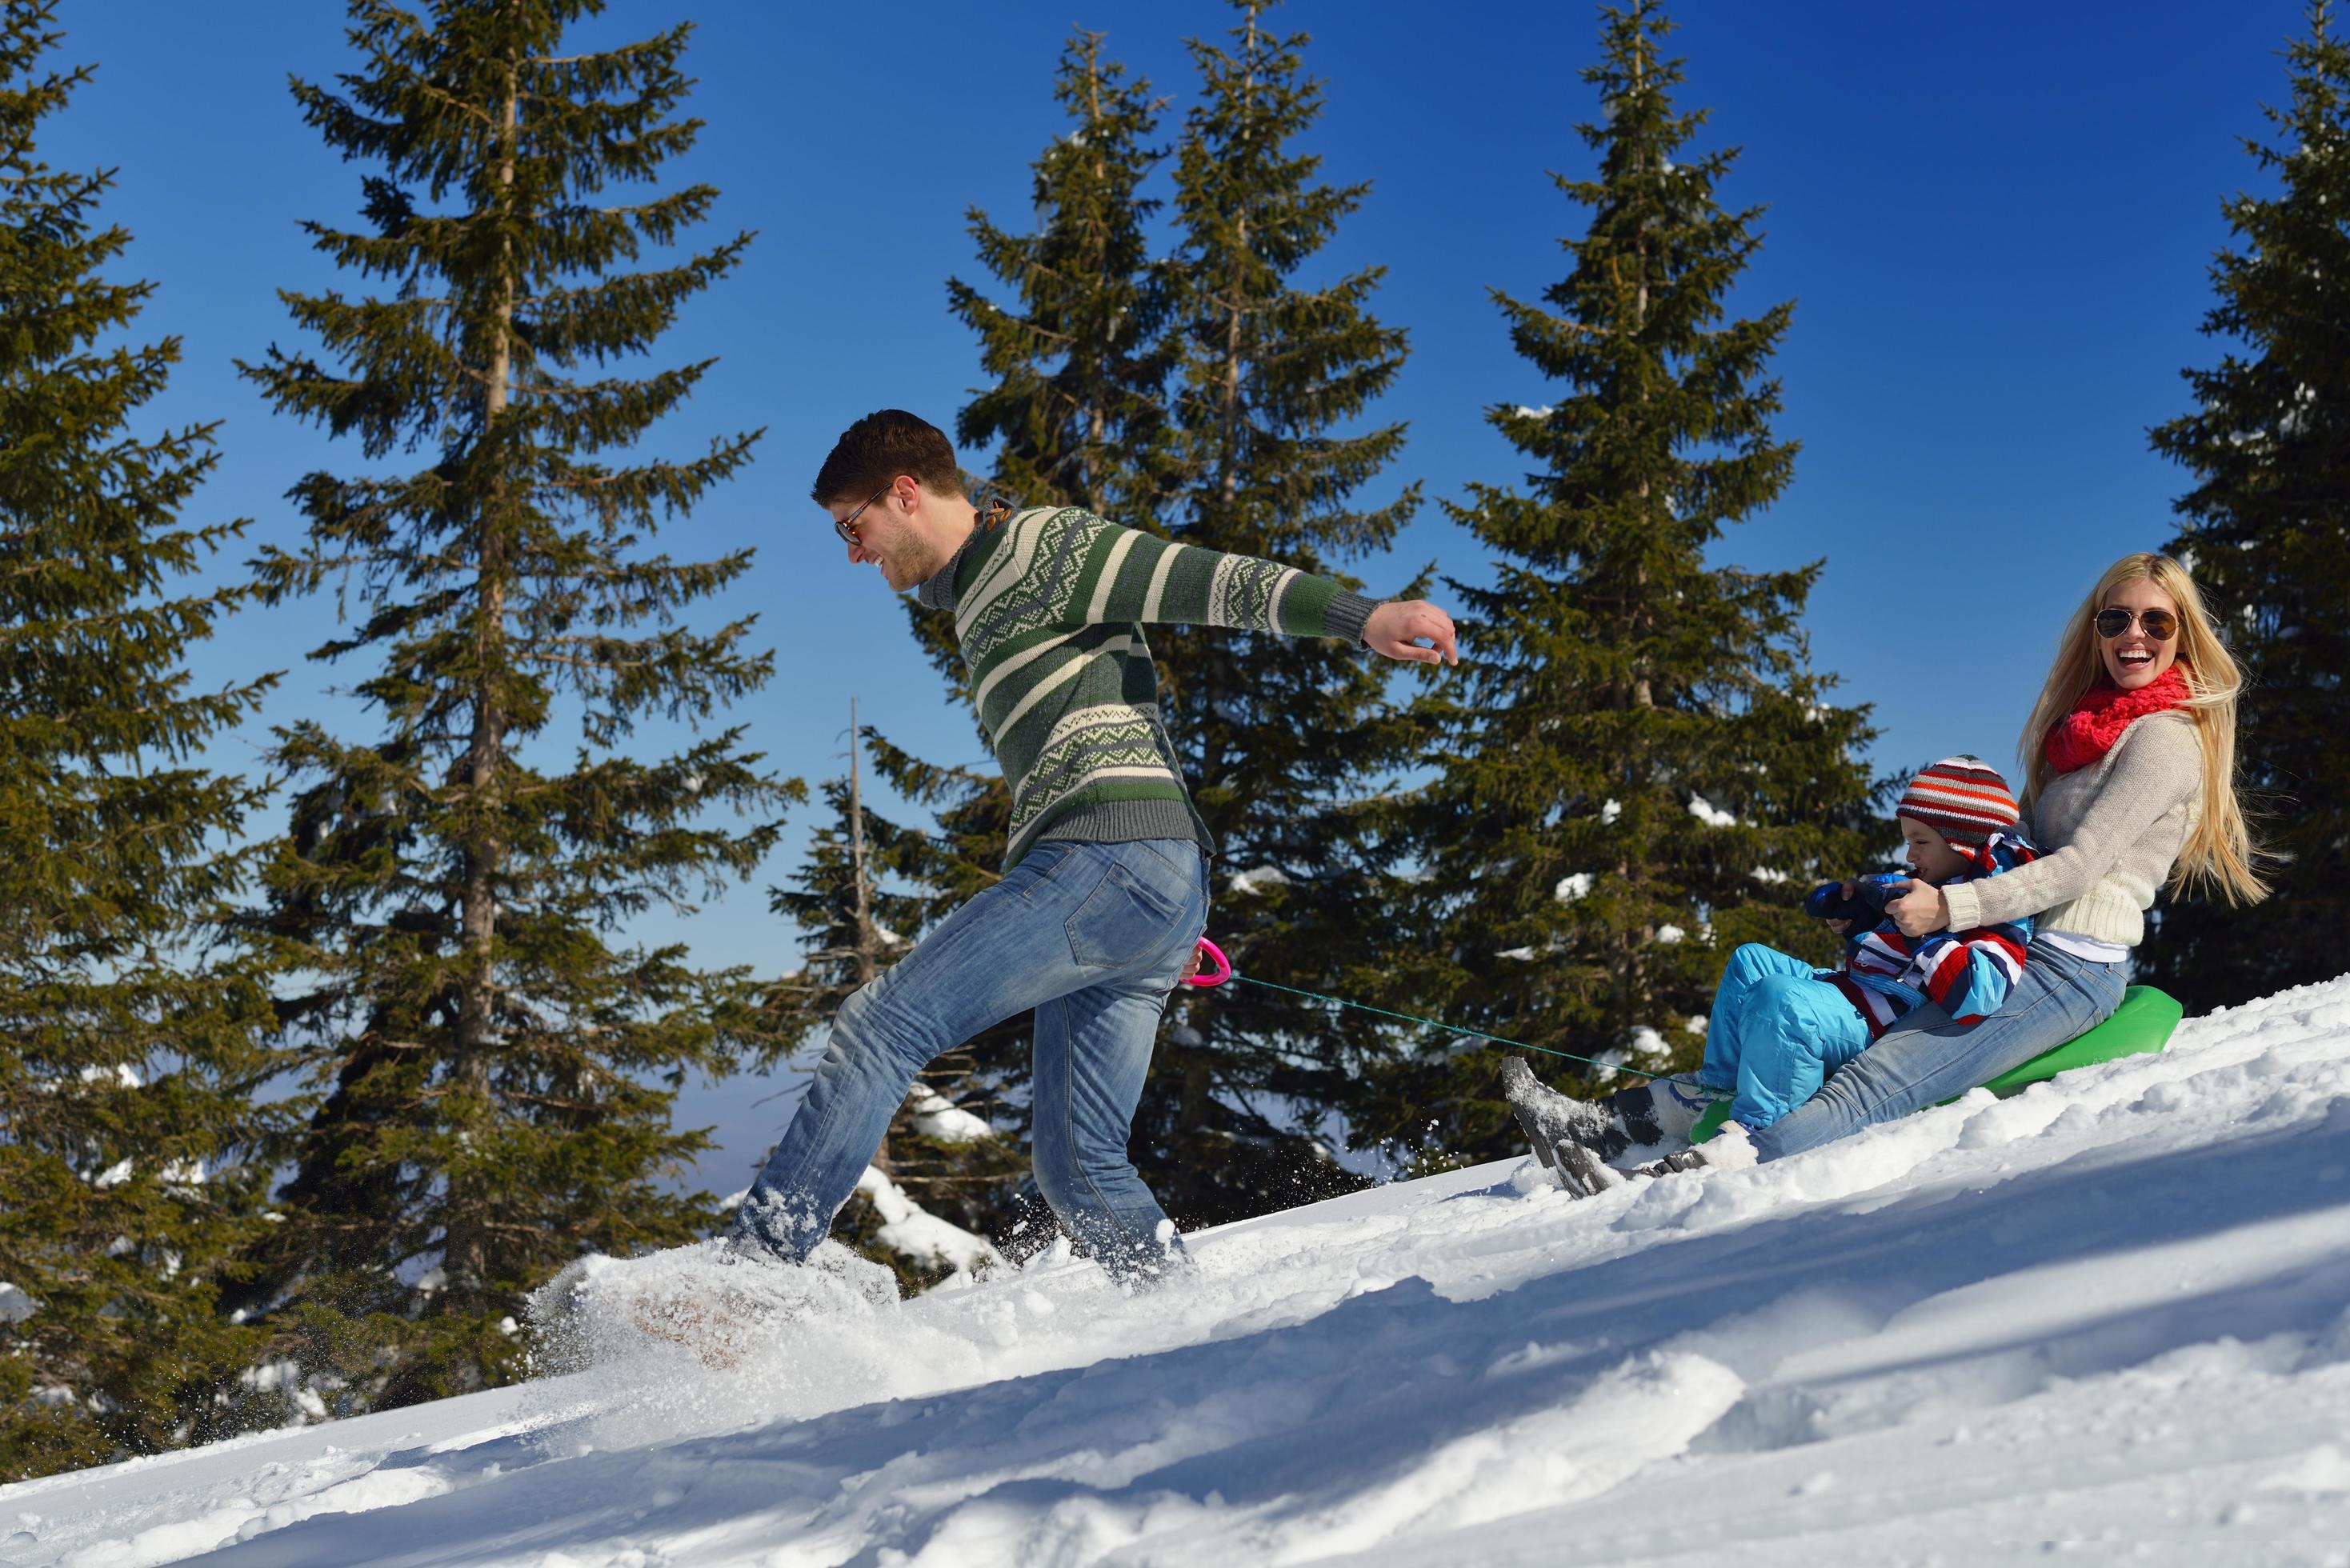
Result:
pixel 880 447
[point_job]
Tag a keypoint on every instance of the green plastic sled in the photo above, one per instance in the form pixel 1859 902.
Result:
pixel 2142 1024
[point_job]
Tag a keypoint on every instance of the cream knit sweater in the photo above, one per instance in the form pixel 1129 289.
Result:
pixel 2108 834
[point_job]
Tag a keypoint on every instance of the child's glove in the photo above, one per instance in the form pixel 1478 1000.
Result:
pixel 1865 907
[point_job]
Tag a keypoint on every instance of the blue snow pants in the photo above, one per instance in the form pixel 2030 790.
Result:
pixel 1776 1034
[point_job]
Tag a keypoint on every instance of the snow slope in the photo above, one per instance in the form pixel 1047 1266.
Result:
pixel 2111 1313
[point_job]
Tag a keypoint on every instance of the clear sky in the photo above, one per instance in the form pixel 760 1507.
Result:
pixel 1995 220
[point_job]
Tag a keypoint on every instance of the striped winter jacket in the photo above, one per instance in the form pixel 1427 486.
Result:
pixel 1969 973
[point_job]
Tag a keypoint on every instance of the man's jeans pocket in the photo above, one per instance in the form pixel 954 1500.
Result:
pixel 1122 921
pixel 1036 868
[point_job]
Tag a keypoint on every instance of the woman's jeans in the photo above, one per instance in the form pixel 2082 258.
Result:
pixel 1093 937
pixel 1925 1058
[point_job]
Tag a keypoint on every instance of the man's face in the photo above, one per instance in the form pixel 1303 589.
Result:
pixel 886 535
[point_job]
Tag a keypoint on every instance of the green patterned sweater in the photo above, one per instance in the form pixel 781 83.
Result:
pixel 1049 611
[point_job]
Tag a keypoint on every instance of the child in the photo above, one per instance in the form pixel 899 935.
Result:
pixel 1779 1026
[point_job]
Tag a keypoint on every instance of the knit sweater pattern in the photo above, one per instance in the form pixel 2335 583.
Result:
pixel 1049 612
pixel 2109 832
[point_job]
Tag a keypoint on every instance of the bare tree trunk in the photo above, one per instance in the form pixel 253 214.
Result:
pixel 1234 309
pixel 868 939
pixel 864 955
pixel 1095 415
pixel 1642 696
pixel 464 1256
pixel 1632 993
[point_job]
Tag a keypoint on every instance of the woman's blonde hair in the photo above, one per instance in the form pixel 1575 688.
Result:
pixel 2218 852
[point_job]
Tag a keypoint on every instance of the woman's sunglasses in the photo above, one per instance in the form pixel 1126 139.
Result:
pixel 2160 624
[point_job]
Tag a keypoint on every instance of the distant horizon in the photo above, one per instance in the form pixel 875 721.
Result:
pixel 1997 230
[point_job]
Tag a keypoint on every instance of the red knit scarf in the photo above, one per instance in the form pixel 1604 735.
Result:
pixel 2104 712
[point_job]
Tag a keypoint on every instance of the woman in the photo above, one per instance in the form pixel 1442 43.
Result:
pixel 2129 769
pixel 2130 786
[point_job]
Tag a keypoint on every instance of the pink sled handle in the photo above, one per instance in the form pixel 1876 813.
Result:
pixel 1217 976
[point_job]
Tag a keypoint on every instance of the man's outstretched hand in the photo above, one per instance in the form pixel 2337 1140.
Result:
pixel 1394 629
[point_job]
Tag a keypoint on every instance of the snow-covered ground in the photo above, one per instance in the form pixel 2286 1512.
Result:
pixel 2112 1313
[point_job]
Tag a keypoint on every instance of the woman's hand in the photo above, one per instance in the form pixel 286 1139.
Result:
pixel 1920 909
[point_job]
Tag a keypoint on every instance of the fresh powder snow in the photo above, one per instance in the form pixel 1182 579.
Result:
pixel 2111 1314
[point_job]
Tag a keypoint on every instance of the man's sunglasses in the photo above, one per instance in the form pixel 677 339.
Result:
pixel 847 526
pixel 2160 624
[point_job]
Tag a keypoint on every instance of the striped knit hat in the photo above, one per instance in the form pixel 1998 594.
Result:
pixel 1963 797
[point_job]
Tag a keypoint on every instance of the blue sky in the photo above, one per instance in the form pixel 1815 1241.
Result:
pixel 1996 222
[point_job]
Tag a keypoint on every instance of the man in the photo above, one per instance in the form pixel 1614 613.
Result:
pixel 1105 889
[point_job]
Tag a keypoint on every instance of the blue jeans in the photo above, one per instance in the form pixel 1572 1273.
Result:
pixel 1093 937
pixel 1776 1034
pixel 1925 1058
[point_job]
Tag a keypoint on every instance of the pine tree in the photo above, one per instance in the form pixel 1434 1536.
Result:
pixel 500 1058
pixel 1079 362
pixel 1284 741
pixel 2266 530
pixel 1642 758
pixel 855 918
pixel 133 1149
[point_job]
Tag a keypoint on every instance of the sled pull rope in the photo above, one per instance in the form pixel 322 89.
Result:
pixel 1710 1094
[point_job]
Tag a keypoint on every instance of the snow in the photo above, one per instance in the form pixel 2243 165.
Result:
pixel 1713 815
pixel 285 1375
pixel 1573 886
pixel 935 1117
pixel 1257 880
pixel 1605 1063
pixel 2110 1316
pixel 909 1227
pixel 16 1306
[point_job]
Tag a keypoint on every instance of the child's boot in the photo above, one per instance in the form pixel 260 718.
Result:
pixel 1662 1111
pixel 1574 1138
